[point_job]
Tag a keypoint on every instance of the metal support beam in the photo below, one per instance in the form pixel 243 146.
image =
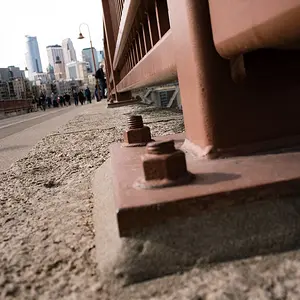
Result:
pixel 158 66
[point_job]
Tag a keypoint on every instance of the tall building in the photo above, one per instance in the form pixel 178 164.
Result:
pixel 59 69
pixel 4 74
pixel 52 52
pixel 33 58
pixel 87 56
pixel 77 70
pixel 100 55
pixel 4 90
pixel 10 73
pixel 69 53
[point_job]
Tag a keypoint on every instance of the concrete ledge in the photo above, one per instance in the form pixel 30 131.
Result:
pixel 123 103
pixel 180 243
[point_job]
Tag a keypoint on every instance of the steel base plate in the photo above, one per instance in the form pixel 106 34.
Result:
pixel 218 184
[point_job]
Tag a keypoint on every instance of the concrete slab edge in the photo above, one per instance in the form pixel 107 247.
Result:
pixel 181 243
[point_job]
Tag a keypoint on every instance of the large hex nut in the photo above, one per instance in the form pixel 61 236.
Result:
pixel 137 137
pixel 164 167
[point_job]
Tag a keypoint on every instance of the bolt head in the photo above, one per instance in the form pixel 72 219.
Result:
pixel 137 136
pixel 164 167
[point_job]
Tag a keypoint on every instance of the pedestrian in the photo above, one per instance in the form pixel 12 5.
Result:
pixel 55 102
pixel 102 81
pixel 53 99
pixel 48 100
pixel 67 99
pixel 63 100
pixel 42 102
pixel 97 96
pixel 75 96
pixel 88 95
pixel 81 97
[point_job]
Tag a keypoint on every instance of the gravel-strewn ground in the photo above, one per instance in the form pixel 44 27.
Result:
pixel 46 233
pixel 46 247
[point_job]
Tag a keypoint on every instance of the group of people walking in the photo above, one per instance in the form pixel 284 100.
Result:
pixel 82 96
pixel 53 101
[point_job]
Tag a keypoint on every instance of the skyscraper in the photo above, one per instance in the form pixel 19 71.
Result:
pixel 87 56
pixel 59 69
pixel 100 55
pixel 52 52
pixel 33 59
pixel 68 51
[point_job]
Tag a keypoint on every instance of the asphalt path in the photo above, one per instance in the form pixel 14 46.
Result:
pixel 19 134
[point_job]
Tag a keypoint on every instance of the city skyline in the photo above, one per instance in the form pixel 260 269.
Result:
pixel 48 31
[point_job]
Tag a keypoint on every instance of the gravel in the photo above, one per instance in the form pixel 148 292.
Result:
pixel 47 236
pixel 47 246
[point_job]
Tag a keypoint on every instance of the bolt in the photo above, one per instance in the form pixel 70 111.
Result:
pixel 135 122
pixel 137 134
pixel 158 148
pixel 163 166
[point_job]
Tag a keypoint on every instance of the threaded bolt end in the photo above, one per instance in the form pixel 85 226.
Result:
pixel 157 148
pixel 135 122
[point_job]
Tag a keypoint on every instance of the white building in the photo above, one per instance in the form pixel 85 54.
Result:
pixel 33 58
pixel 68 51
pixel 77 70
pixel 53 52
pixel 91 81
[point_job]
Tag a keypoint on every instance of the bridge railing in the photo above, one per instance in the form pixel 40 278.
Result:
pixel 235 65
pixel 138 44
pixel 14 105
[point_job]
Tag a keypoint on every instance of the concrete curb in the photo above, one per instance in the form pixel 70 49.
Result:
pixel 178 244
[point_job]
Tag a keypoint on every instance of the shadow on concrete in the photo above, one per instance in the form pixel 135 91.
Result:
pixel 235 233
pixel 212 178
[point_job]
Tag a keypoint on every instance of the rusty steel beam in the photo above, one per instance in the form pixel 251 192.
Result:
pixel 110 43
pixel 157 19
pixel 130 9
pixel 251 25
pixel 157 66
pixel 222 116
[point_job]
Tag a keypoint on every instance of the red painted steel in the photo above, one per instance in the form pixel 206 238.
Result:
pixel 219 114
pixel 239 84
pixel 242 26
pixel 218 184
pixel 157 66
pixel 12 105
pixel 128 15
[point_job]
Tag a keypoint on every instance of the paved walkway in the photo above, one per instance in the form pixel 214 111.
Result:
pixel 19 134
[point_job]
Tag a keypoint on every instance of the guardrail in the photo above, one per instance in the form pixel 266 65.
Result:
pixel 7 106
pixel 138 44
pixel 228 101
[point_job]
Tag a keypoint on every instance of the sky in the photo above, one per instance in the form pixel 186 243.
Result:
pixel 50 21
